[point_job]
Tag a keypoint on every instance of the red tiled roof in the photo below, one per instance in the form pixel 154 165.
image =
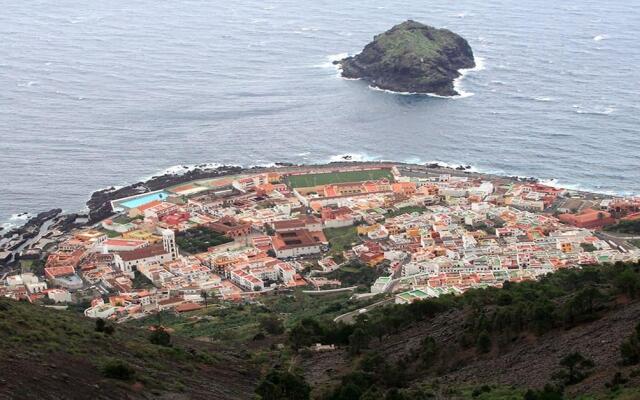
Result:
pixel 145 252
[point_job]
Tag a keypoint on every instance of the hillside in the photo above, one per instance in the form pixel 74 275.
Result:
pixel 412 57
pixel 508 340
pixel 51 354
pixel 574 334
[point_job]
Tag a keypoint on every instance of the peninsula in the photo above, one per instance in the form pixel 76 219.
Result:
pixel 412 57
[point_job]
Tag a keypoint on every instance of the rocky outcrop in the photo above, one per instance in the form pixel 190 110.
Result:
pixel 412 57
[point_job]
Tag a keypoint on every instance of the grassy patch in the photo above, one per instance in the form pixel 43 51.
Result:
pixel 240 323
pixel 405 210
pixel 197 240
pixel 45 335
pixel 339 177
pixel 355 274
pixel 341 239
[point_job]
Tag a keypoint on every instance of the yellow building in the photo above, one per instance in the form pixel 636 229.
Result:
pixel 139 234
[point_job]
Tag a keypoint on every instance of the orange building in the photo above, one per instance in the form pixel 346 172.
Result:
pixel 589 219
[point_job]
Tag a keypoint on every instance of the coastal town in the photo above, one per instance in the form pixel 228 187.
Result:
pixel 405 232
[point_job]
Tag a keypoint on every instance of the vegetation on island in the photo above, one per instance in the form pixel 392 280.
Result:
pixel 412 57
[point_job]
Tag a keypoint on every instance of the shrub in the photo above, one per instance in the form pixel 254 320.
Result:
pixel 272 324
pixel 283 385
pixel 100 324
pixel 117 369
pixel 160 337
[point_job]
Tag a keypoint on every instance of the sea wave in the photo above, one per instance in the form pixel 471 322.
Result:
pixel 357 157
pixel 556 183
pixel 16 220
pixel 600 37
pixel 457 83
pixel 578 109
pixel 329 64
pixel 180 170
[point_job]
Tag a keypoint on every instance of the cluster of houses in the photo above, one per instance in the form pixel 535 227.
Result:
pixel 429 234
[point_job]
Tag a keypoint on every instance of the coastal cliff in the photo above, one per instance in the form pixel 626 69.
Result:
pixel 412 57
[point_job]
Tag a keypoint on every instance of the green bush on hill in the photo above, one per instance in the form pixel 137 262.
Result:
pixel 631 227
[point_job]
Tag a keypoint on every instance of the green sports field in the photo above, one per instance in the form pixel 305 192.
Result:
pixel 339 177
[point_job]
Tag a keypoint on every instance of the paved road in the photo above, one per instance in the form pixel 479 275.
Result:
pixel 348 318
pixel 618 239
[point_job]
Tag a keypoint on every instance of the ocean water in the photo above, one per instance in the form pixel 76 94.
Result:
pixel 94 94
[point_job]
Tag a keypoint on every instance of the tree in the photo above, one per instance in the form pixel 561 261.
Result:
pixel 428 351
pixel 628 283
pixel 100 324
pixel 283 385
pixel 358 341
pixel 160 337
pixel 205 295
pixel 548 393
pixel 576 369
pixel 272 324
pixel 305 333
pixel 630 348
pixel 583 305
pixel 483 344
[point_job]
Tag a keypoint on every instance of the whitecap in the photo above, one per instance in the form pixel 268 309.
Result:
pixel 543 98
pixel 457 83
pixel 21 217
pixel 600 37
pixel 329 63
pixel 354 157
pixel 604 111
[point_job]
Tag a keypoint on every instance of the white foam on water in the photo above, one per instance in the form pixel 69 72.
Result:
pixel 16 220
pixel 578 109
pixel 600 37
pixel 352 157
pixel 329 64
pixel 543 98
pixel 457 83
pixel 182 169
pixel 556 183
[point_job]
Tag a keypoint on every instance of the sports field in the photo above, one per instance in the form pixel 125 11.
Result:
pixel 339 177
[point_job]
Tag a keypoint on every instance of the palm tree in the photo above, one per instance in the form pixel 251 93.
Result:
pixel 205 295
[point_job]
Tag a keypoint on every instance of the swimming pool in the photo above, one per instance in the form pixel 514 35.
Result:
pixel 138 201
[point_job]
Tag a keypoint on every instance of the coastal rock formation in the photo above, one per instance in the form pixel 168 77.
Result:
pixel 412 57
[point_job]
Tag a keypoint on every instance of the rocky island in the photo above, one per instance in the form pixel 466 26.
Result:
pixel 412 57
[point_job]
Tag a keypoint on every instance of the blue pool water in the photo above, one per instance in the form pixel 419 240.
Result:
pixel 139 201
